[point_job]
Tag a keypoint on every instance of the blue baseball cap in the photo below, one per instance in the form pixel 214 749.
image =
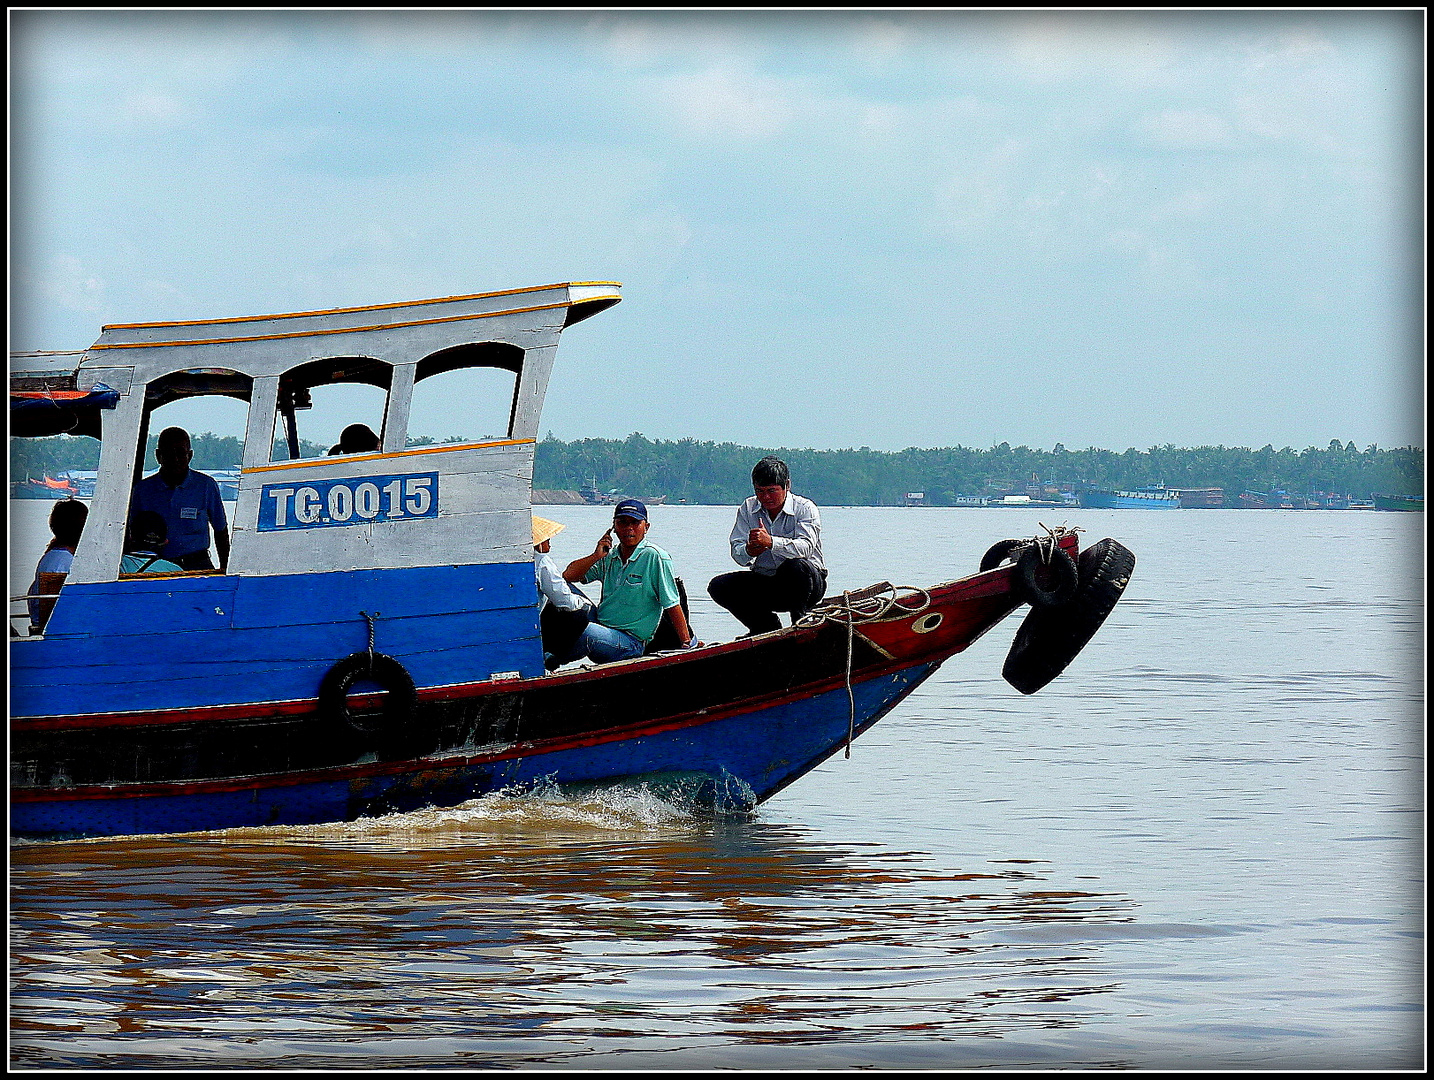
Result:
pixel 630 508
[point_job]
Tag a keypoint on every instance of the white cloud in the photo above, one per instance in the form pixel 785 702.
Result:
pixel 1111 48
pixel 151 108
pixel 1182 129
pixel 729 103
pixel 73 286
pixel 1293 49
pixel 878 42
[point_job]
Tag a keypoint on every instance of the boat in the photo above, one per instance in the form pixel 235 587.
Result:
pixel 227 481
pixel 591 494
pixel 1211 498
pixel 1258 500
pixel 1399 502
pixel 1148 498
pixel 46 488
pixel 373 644
pixel 82 481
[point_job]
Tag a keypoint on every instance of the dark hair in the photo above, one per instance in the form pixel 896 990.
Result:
pixel 147 531
pixel 771 470
pixel 170 436
pixel 358 439
pixel 67 521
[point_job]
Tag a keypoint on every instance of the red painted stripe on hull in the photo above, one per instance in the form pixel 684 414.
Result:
pixel 517 750
pixel 990 585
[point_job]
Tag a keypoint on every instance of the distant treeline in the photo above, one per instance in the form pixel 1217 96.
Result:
pixel 34 458
pixel 705 472
pixel 718 473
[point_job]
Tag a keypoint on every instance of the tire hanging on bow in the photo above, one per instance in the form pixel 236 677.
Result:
pixel 1046 576
pixel 1050 637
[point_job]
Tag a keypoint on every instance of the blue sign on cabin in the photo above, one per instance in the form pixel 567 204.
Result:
pixel 354 500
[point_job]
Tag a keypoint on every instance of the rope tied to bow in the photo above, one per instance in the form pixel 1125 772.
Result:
pixel 370 618
pixel 861 606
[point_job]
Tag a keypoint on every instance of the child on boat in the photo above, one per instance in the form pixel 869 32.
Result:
pixel 144 540
pixel 67 521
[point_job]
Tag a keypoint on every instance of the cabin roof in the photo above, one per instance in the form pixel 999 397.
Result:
pixel 52 391
pixel 398 332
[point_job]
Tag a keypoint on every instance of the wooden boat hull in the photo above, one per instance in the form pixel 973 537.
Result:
pixel 724 727
pixel 726 764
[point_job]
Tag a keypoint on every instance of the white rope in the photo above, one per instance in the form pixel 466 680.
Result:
pixel 850 697
pixel 870 608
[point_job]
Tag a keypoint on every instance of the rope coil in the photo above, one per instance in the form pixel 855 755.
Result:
pixel 869 605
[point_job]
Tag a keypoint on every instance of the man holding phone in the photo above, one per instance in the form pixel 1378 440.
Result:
pixel 638 589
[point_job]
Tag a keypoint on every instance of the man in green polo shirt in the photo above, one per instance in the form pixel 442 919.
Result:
pixel 638 588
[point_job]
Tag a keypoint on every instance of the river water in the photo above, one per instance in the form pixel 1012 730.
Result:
pixel 1201 847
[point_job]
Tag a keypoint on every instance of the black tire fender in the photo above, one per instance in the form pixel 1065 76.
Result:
pixel 1049 638
pixel 1046 578
pixel 999 552
pixel 378 668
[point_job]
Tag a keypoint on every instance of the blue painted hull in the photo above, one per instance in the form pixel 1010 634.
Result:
pixel 1127 500
pixel 197 642
pixel 730 763
pixel 725 726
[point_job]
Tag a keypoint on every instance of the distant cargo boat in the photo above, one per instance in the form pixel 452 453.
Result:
pixel 48 488
pixel 228 481
pixel 82 481
pixel 591 494
pixel 1200 498
pixel 1155 498
pixel 1399 502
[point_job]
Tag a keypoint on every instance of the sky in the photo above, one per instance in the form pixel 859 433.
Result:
pixel 833 229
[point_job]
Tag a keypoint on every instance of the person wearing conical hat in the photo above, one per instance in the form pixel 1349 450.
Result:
pixel 565 615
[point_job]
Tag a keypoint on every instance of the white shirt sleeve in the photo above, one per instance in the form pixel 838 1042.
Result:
pixel 552 584
pixel 741 530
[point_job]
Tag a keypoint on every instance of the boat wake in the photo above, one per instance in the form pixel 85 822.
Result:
pixel 649 806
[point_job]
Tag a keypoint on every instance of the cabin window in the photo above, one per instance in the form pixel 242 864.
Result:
pixel 211 406
pixel 63 464
pixel 320 400
pixel 43 471
pixel 216 432
pixel 465 394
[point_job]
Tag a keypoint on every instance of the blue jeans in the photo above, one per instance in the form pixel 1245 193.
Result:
pixel 604 644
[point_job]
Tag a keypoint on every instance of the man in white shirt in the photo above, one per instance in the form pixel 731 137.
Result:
pixel 779 536
pixel 565 615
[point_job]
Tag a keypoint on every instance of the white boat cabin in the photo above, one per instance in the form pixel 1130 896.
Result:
pixel 399 506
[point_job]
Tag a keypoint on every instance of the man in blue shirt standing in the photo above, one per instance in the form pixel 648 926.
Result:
pixel 779 535
pixel 188 501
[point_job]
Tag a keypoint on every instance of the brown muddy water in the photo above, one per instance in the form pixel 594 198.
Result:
pixel 1201 847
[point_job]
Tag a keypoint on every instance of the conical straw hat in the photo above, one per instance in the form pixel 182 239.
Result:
pixel 543 529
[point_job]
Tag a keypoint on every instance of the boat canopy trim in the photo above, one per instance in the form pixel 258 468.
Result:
pixel 39 413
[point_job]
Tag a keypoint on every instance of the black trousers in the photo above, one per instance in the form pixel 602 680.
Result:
pixel 560 630
pixel 796 587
